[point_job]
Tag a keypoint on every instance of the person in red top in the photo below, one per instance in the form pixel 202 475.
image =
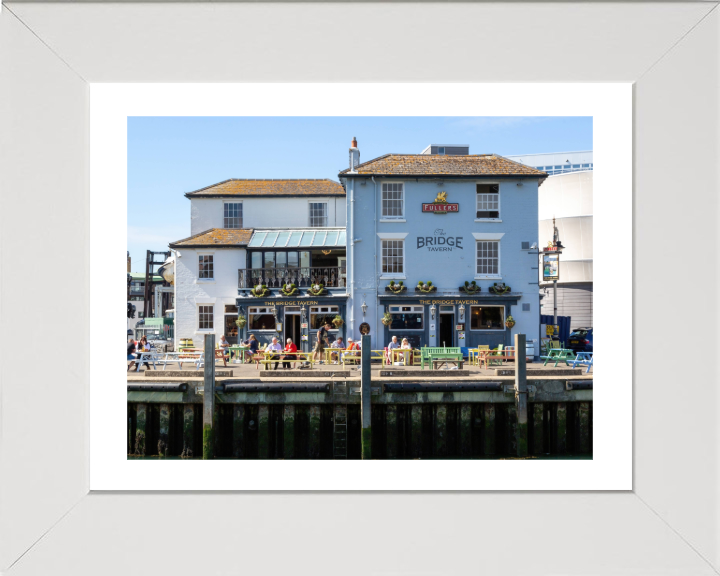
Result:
pixel 289 350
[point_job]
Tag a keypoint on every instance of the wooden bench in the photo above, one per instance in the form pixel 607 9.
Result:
pixel 433 356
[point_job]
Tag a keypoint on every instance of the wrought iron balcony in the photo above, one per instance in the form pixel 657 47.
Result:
pixel 331 277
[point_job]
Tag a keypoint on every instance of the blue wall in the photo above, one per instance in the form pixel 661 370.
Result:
pixel 450 267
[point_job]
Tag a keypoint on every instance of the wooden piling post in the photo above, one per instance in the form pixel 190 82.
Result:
pixel 465 430
pixel 188 422
pixel 521 396
pixel 314 431
pixel 391 437
pixel 440 430
pixel 584 428
pixel 512 429
pixel 416 430
pixel 140 429
pixel 289 431
pixel 238 431
pixel 365 398
pixel 561 428
pixel 489 429
pixel 209 398
pixel 164 429
pixel 263 431
pixel 538 446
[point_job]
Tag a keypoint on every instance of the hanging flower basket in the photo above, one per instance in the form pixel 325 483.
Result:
pixel 509 322
pixel 338 321
pixel 260 291
pixel 387 319
pixel 470 287
pixel 395 288
pixel 240 322
pixel 425 287
pixel 316 290
pixel 499 288
pixel 289 289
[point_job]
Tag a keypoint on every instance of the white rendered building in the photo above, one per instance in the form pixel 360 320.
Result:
pixel 231 225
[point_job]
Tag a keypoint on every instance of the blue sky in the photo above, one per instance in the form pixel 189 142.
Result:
pixel 168 156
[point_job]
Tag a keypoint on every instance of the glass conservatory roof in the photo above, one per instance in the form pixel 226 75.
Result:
pixel 291 238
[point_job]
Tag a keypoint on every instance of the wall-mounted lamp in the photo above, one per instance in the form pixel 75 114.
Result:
pixel 461 309
pixel 433 309
pixel 364 306
pixel 302 312
pixel 273 311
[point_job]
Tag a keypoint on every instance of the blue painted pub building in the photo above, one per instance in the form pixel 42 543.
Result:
pixel 458 231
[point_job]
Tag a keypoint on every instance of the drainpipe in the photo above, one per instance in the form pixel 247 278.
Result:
pixel 351 235
pixel 375 272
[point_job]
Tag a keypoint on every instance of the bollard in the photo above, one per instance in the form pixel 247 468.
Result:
pixel 521 395
pixel 209 398
pixel 365 414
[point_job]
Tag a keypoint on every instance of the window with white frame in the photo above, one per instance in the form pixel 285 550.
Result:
pixel 488 201
pixel 406 317
pixel 260 318
pixel 320 315
pixel 488 258
pixel 393 203
pixel 205 317
pixel 233 215
pixel 487 317
pixel 205 267
pixel 318 214
pixel 393 256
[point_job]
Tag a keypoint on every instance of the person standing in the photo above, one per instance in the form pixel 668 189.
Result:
pixel 290 350
pixel 274 350
pixel 322 336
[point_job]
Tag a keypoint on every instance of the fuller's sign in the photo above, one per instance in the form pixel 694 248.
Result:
pixel 440 205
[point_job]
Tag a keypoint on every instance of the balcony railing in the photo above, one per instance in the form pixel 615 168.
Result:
pixel 331 277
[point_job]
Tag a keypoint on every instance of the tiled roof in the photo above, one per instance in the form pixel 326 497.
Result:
pixel 216 237
pixel 236 187
pixel 433 164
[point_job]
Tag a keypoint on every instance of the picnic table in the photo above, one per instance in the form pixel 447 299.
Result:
pixel 305 357
pixel 559 355
pixel 395 355
pixel 146 357
pixel 584 359
pixel 196 357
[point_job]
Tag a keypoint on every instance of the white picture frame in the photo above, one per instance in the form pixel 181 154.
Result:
pixel 49 53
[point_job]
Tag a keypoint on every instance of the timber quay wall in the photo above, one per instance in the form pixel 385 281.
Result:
pixel 322 419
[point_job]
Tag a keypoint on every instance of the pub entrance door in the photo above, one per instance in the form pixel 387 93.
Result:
pixel 292 326
pixel 447 330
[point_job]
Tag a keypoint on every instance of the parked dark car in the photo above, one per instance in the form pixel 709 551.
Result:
pixel 581 340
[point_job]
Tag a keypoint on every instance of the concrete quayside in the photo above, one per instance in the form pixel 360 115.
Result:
pixel 358 414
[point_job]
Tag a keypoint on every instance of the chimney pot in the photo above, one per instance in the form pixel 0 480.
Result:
pixel 354 143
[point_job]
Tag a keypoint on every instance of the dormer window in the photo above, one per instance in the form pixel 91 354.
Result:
pixel 441 150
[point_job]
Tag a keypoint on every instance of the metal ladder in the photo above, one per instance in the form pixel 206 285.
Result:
pixel 340 419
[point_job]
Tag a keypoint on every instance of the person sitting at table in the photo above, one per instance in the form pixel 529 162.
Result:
pixel 289 350
pixel 221 345
pixel 253 343
pixel 352 348
pixel 131 352
pixel 406 346
pixel 143 346
pixel 338 343
pixel 392 346
pixel 272 350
